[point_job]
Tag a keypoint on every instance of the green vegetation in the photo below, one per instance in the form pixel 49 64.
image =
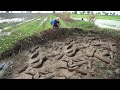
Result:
pixel 43 23
pixel 3 25
pixel 66 21
pixel 22 31
pixel 81 24
pixel 110 17
pixel 25 30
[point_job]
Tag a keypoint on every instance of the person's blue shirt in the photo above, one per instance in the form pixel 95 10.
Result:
pixel 54 22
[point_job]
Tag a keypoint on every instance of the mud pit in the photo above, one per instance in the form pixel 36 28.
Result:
pixel 76 56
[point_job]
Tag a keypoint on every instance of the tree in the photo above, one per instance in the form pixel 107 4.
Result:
pixel 83 12
pixel 113 13
pixel 88 12
pixel 106 13
pixel 53 11
pixel 75 12
pixel 80 13
pixel 99 13
pixel 110 13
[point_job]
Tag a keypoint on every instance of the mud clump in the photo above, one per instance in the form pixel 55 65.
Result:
pixel 69 54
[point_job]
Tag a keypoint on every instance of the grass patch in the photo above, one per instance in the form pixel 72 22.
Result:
pixel 109 17
pixel 81 24
pixel 3 25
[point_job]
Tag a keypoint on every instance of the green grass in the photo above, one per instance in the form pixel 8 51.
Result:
pixel 3 25
pixel 63 24
pixel 110 17
pixel 81 24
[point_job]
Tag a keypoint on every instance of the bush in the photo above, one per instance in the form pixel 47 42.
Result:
pixel 91 18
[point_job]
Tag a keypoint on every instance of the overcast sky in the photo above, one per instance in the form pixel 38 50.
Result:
pixel 117 12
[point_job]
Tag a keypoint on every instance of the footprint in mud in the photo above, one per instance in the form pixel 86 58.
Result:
pixel 35 55
pixel 73 52
pixel 40 62
pixel 33 49
pixel 70 46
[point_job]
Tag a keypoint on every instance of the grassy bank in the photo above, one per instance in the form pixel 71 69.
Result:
pixel 110 17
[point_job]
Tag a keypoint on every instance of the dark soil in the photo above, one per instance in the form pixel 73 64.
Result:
pixel 65 54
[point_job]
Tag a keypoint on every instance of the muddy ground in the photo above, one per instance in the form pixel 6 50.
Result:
pixel 64 54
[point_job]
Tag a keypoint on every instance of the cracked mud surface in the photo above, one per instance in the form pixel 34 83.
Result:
pixel 72 57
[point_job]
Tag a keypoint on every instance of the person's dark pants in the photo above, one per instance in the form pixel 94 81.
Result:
pixel 56 27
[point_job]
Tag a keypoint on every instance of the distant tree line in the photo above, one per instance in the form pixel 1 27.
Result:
pixel 91 12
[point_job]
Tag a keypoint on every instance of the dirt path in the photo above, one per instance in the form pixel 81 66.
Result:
pixel 77 56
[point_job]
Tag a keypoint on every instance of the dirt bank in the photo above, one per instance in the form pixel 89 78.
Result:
pixel 64 54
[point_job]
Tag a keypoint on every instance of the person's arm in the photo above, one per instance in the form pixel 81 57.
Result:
pixel 58 24
pixel 52 26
